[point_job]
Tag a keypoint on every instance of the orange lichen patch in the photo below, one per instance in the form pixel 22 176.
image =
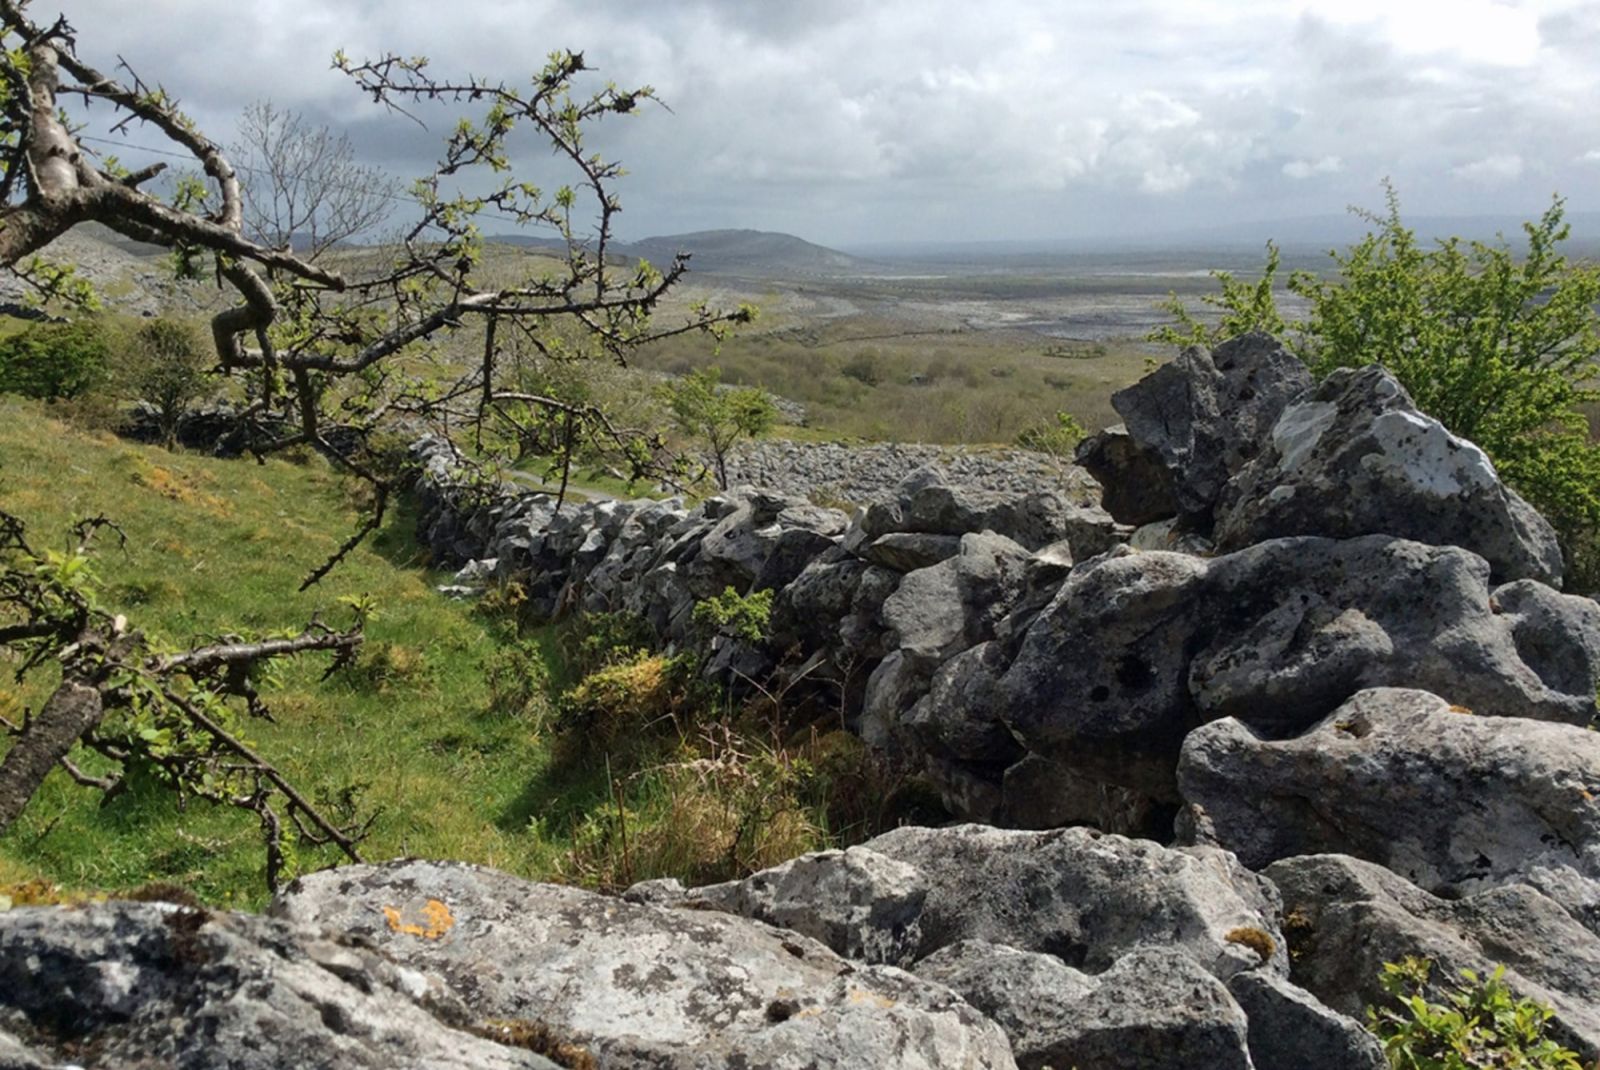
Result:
pixel 436 920
pixel 1258 940
pixel 860 996
pixel 1460 709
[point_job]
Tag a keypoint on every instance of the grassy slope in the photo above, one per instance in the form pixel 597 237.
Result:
pixel 215 546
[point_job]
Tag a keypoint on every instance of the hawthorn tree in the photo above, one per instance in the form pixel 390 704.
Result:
pixel 324 349
pixel 718 416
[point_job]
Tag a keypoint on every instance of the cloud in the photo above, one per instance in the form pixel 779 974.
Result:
pixel 1592 156
pixel 942 118
pixel 1300 169
pixel 1491 170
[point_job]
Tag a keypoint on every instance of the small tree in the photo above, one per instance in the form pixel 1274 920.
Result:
pixel 166 365
pixel 1502 349
pixel 718 416
pixel 302 184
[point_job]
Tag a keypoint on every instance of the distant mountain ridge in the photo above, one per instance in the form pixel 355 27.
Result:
pixel 724 252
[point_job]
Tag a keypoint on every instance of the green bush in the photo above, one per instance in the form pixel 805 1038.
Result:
pixel 1480 1024
pixel 735 616
pixel 1502 349
pixel 1058 437
pixel 54 360
pixel 166 363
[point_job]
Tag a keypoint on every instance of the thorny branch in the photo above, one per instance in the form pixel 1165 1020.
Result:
pixel 166 712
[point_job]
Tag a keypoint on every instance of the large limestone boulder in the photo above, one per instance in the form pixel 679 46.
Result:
pixel 1138 649
pixel 1086 897
pixel 1100 680
pixel 939 611
pixel 152 984
pixel 1300 625
pixel 1345 918
pixel 1356 457
pixel 1454 802
pixel 1154 1009
pixel 1290 1029
pixel 1205 415
pixel 641 985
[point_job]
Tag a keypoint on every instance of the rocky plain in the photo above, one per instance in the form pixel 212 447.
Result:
pixel 1280 685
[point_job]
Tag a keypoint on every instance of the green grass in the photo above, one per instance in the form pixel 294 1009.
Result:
pixel 216 546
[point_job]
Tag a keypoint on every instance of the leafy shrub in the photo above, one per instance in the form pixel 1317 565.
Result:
pixel 735 616
pixel 595 640
pixel 166 364
pixel 630 698
pixel 718 416
pixel 1501 349
pixel 1059 437
pixel 519 682
pixel 54 360
pixel 865 368
pixel 1480 1024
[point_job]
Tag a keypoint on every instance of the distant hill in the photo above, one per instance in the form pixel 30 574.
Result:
pixel 726 252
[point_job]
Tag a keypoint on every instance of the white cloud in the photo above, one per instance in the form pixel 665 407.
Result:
pixel 1327 165
pixel 1015 117
pixel 1491 170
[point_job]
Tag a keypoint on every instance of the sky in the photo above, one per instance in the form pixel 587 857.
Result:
pixel 858 122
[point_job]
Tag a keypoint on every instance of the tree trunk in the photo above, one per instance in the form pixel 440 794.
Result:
pixel 74 709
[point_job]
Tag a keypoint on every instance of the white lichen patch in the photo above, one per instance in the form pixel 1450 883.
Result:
pixel 1420 451
pixel 1299 429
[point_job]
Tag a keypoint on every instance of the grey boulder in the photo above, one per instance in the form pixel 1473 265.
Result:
pixel 1454 802
pixel 1154 1009
pixel 151 984
pixel 1291 1030
pixel 1137 487
pixel 1087 897
pixel 860 904
pixel 1356 457
pixel 1205 415
pixel 645 986
pixel 1345 918
pixel 1299 625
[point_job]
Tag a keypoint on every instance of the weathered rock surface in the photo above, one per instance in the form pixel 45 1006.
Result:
pixel 1345 918
pixel 1355 457
pixel 1154 1009
pixel 1453 802
pixel 1100 681
pixel 1138 649
pixel 643 986
pixel 1206 414
pixel 930 502
pixel 149 984
pixel 939 611
pixel 1086 897
pixel 1291 1030
pixel 1137 487
pixel 1302 624
pixel 860 904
